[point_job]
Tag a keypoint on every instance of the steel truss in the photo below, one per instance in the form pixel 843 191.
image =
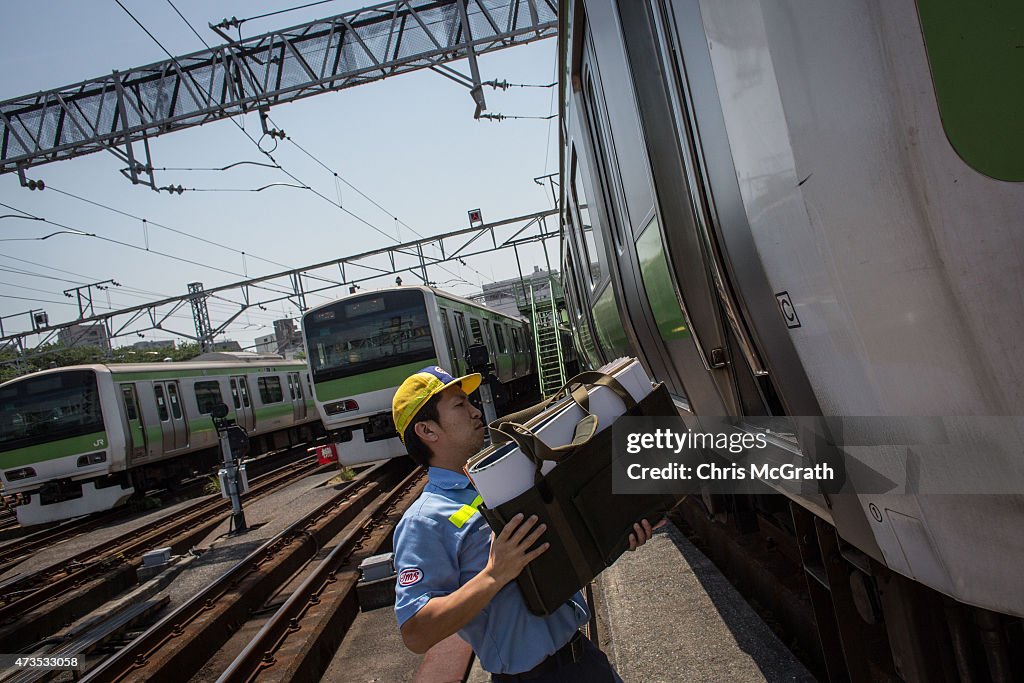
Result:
pixel 127 108
pixel 297 285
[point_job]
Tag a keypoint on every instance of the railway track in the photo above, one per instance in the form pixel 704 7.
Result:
pixel 355 523
pixel 17 550
pixel 33 606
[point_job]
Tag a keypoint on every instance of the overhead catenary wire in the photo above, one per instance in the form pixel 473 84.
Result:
pixel 268 154
pixel 189 24
pixel 339 177
pixel 235 22
pixel 162 226
pixel 158 253
pixel 126 291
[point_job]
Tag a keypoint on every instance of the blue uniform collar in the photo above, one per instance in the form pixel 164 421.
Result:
pixel 446 479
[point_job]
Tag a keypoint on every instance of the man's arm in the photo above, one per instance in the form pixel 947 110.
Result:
pixel 444 615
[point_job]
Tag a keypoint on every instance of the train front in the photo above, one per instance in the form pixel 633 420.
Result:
pixel 58 453
pixel 360 349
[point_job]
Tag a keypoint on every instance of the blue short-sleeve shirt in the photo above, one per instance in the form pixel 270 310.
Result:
pixel 440 544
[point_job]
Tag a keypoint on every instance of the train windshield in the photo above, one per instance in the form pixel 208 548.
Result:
pixel 48 408
pixel 368 333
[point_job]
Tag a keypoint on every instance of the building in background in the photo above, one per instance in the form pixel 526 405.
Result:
pixel 226 345
pixel 286 340
pixel 154 345
pixel 76 336
pixel 512 296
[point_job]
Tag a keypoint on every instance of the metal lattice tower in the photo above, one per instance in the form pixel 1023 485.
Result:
pixel 124 109
pixel 201 315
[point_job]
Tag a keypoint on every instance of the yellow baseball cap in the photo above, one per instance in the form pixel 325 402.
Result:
pixel 417 389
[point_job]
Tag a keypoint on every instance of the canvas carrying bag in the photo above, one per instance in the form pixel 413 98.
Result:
pixel 588 526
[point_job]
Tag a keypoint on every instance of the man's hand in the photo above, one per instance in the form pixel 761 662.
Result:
pixel 510 550
pixel 644 531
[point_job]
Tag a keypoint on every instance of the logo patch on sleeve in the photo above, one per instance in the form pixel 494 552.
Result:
pixel 409 576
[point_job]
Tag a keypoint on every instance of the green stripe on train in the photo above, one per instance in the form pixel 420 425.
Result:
pixel 86 443
pixel 171 373
pixel 368 381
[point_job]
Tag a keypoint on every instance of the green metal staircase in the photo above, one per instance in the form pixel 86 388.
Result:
pixel 547 343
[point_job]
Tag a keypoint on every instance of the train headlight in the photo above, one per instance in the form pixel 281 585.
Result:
pixel 344 406
pixel 21 473
pixel 92 458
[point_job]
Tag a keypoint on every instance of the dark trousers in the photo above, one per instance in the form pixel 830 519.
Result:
pixel 594 667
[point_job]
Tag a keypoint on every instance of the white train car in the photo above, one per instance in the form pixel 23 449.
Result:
pixel 82 439
pixel 363 346
pixel 816 209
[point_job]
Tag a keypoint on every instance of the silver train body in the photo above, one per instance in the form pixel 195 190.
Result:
pixel 811 209
pixel 82 439
pixel 362 347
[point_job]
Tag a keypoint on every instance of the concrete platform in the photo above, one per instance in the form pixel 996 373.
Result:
pixel 667 614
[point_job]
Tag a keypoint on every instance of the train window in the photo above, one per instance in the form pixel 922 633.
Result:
pixel 128 393
pixel 474 330
pixel 243 388
pixel 298 385
pixel 500 338
pixel 161 403
pixel 586 223
pixel 602 150
pixel 449 340
pixel 38 410
pixel 291 388
pixel 977 81
pixel 657 279
pixel 608 325
pixel 515 340
pixel 207 396
pixel 270 389
pixel 460 325
pixel 489 336
pixel 234 394
pixel 172 396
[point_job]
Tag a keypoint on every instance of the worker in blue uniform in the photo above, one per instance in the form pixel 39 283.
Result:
pixel 454 574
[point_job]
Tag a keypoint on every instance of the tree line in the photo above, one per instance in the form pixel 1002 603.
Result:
pixel 48 356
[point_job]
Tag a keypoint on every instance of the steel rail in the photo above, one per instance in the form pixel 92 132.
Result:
pixel 86 587
pixel 15 551
pixel 177 646
pixel 332 575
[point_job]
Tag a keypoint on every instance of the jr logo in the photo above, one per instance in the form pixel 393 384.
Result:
pixel 99 443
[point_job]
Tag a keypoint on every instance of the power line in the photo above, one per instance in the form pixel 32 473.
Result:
pixel 128 12
pixel 337 175
pixel 162 226
pixel 154 251
pixel 245 132
pixel 237 23
pixel 362 194
pixel 256 143
pixel 189 23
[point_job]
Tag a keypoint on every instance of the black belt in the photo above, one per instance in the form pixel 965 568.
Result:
pixel 570 653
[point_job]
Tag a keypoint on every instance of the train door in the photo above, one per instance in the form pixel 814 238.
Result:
pixel 668 290
pixel 172 417
pixel 244 417
pixel 455 359
pixel 460 327
pixel 136 429
pixel 490 343
pixel 692 218
pixel 298 400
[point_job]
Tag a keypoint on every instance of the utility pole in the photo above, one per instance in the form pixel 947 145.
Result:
pixel 234 444
pixel 201 316
pixel 85 306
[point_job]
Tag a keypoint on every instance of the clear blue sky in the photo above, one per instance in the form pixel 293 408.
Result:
pixel 409 142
